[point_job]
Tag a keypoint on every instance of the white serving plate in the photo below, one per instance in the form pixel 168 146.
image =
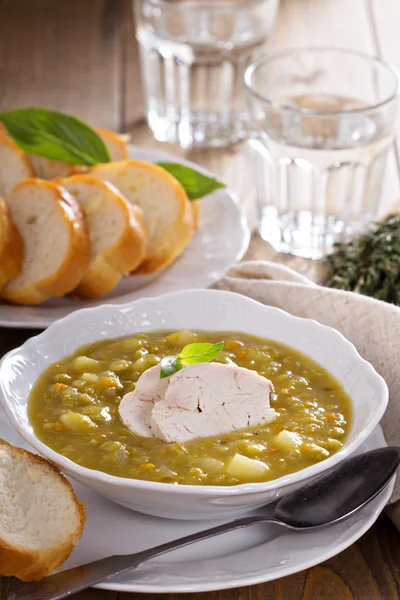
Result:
pixel 221 240
pixel 250 556
pixel 202 310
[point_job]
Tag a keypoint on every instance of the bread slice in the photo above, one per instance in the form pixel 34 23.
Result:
pixel 47 168
pixel 116 232
pixel 38 166
pixel 167 213
pixel 41 519
pixel 116 144
pixel 57 245
pixel 14 166
pixel 11 247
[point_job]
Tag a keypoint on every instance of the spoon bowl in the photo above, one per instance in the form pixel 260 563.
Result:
pixel 340 491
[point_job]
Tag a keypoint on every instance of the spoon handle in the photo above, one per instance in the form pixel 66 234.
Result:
pixel 74 580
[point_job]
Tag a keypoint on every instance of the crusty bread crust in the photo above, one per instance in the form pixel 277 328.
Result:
pixel 117 147
pixel 106 270
pixel 29 565
pixel 170 243
pixel 76 260
pixel 11 247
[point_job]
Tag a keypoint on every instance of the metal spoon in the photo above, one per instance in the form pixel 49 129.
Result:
pixel 338 493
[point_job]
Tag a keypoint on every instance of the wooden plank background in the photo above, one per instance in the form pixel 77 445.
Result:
pixel 80 57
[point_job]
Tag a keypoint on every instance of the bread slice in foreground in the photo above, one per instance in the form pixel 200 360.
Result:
pixel 14 165
pixel 116 232
pixel 57 245
pixel 167 213
pixel 11 247
pixel 41 519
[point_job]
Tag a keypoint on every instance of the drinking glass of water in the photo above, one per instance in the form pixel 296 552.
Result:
pixel 193 56
pixel 323 122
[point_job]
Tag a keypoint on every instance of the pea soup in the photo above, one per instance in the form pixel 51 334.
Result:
pixel 73 408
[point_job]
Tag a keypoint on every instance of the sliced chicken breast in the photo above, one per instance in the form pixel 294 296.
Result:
pixel 199 401
pixel 211 399
pixel 135 407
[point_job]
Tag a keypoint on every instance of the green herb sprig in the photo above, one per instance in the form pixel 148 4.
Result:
pixel 59 136
pixel 55 135
pixel 189 355
pixel 195 183
pixel 369 264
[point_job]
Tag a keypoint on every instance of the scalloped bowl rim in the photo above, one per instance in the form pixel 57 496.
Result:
pixel 186 489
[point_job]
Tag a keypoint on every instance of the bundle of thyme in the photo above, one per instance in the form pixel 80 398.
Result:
pixel 369 264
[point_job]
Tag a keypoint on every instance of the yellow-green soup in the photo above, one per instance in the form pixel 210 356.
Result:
pixel 73 408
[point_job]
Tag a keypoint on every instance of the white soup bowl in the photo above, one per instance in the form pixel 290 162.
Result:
pixel 198 310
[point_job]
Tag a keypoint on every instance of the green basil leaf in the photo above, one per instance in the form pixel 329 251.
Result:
pixel 169 366
pixel 55 135
pixel 196 184
pixel 199 353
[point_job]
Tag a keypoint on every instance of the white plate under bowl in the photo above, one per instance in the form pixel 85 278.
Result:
pixel 250 556
pixel 221 240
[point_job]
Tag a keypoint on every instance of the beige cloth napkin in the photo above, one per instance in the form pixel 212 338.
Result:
pixel 371 325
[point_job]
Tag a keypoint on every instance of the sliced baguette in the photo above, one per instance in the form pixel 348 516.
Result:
pixel 167 213
pixel 11 247
pixel 116 144
pixel 14 166
pixel 116 231
pixel 57 245
pixel 41 519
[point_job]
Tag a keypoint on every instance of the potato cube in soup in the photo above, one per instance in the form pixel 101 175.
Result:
pixel 85 364
pixel 246 469
pixel 181 338
pixel 287 440
pixel 77 422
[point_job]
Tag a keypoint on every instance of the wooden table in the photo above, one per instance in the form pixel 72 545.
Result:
pixel 79 56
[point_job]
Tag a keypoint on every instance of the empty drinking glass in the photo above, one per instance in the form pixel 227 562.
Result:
pixel 323 121
pixel 193 57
